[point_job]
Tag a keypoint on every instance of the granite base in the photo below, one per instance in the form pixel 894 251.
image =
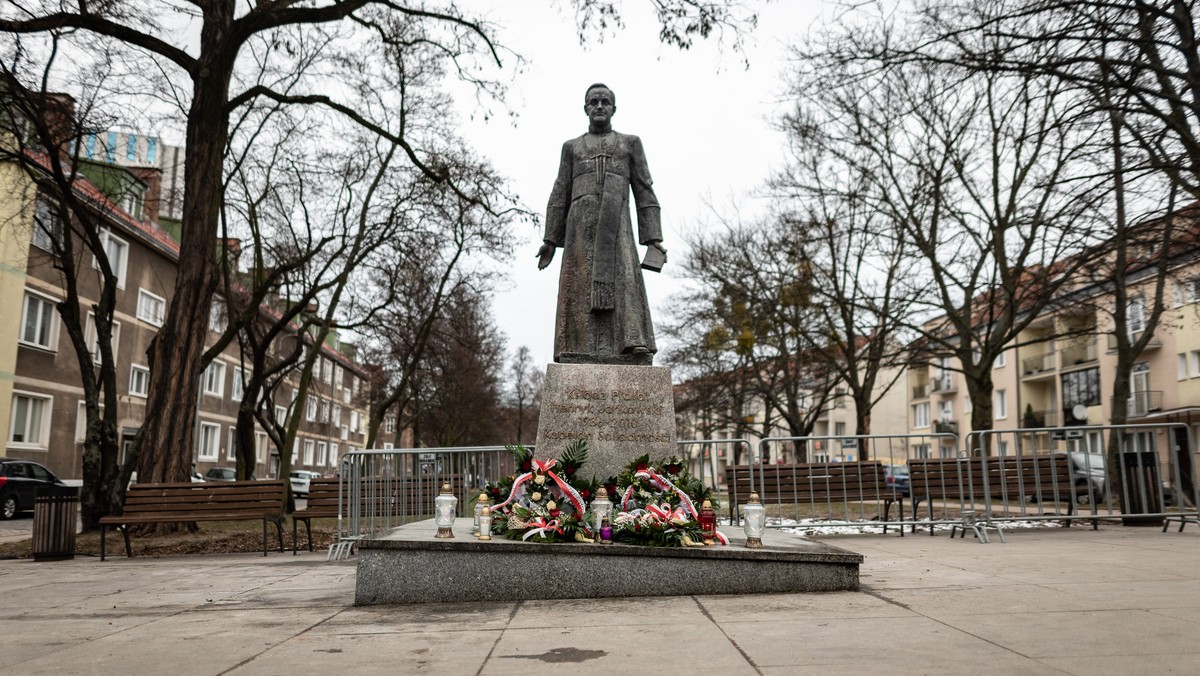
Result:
pixel 407 565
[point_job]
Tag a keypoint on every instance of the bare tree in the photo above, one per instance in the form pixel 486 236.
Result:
pixel 525 392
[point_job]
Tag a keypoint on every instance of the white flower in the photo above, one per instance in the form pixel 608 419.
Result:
pixel 536 497
pixel 551 505
pixel 539 479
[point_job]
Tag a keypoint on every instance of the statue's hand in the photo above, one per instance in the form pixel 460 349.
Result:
pixel 657 244
pixel 545 254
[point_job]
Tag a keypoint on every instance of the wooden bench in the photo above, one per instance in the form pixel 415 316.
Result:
pixel 817 482
pixel 209 501
pixel 380 497
pixel 1040 477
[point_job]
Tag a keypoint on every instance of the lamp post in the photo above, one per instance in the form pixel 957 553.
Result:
pixel 754 515
pixel 444 511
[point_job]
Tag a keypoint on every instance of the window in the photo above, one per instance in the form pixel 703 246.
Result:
pixel 839 429
pixel 260 446
pixel 310 409
pixel 947 412
pixel 1135 315
pixel 239 378
pixel 93 337
pixel 38 324
pixel 209 441
pixel 1081 388
pixel 337 415
pixel 116 250
pixel 323 411
pixel 1187 291
pixel 214 379
pixel 216 316
pixel 47 226
pixel 333 455
pixel 1001 405
pixel 30 424
pixel 308 451
pixel 337 376
pixel 231 452
pixel 1002 448
pixel 151 308
pixel 353 419
pixel 921 415
pixel 389 423
pixel 139 381
pixel 1195 362
pixel 1181 366
pixel 920 451
pixel 1001 360
pixel 322 451
pixel 280 415
pixel 295 452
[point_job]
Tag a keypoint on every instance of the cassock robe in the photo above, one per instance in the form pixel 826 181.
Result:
pixel 602 308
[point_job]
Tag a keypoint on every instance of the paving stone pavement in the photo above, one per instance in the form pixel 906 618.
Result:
pixel 1050 601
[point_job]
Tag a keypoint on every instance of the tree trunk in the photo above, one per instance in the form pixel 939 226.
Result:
pixel 170 424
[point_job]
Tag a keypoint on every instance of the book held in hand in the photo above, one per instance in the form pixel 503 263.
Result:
pixel 654 260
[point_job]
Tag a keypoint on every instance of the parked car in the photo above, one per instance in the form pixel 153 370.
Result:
pixel 19 481
pixel 1087 476
pixel 300 481
pixel 221 474
pixel 896 477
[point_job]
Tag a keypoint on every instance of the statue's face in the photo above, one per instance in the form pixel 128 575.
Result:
pixel 599 105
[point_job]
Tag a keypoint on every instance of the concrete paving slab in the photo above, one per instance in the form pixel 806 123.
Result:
pixel 439 652
pixel 417 618
pixel 725 609
pixel 599 612
pixel 1086 633
pixel 1123 665
pixel 888 645
pixel 1134 593
pixel 618 649
pixel 1010 598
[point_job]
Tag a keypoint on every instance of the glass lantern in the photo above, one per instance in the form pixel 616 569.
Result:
pixel 444 511
pixel 754 518
pixel 480 504
pixel 602 510
pixel 708 522
pixel 485 523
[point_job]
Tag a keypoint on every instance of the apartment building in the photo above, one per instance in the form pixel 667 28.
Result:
pixel 1059 371
pixel 41 403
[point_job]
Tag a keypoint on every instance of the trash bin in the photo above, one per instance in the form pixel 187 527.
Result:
pixel 1141 489
pixel 54 512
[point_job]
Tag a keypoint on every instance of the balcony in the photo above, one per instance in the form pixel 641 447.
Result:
pixel 1037 365
pixel 1034 419
pixel 1143 402
pixel 1154 343
pixel 921 391
pixel 1078 354
pixel 944 384
pixel 948 427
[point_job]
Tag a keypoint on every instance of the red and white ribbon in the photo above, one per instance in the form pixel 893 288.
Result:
pixel 545 467
pixel 541 527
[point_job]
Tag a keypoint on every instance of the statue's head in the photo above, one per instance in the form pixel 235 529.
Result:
pixel 599 103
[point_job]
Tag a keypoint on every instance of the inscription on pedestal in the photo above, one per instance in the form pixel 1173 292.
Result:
pixel 620 411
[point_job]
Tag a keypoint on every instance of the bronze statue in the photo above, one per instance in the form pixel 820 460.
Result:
pixel 603 316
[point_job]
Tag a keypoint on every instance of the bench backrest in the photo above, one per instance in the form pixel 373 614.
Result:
pixel 1026 476
pixel 265 497
pixel 809 481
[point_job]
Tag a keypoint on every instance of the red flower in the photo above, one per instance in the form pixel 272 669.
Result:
pixel 570 470
pixel 642 467
pixel 673 469
pixel 585 494
pixel 527 465
pixel 495 490
pixel 611 488
pixel 555 512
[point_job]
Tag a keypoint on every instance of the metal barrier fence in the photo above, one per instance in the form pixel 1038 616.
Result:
pixel 382 489
pixel 834 481
pixel 1142 474
pixel 712 461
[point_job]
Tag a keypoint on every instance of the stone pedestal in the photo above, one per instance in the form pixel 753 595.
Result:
pixel 621 412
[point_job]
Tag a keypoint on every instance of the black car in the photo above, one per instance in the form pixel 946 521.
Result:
pixel 896 477
pixel 19 481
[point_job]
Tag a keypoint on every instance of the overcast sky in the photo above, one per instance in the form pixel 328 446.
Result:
pixel 704 119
